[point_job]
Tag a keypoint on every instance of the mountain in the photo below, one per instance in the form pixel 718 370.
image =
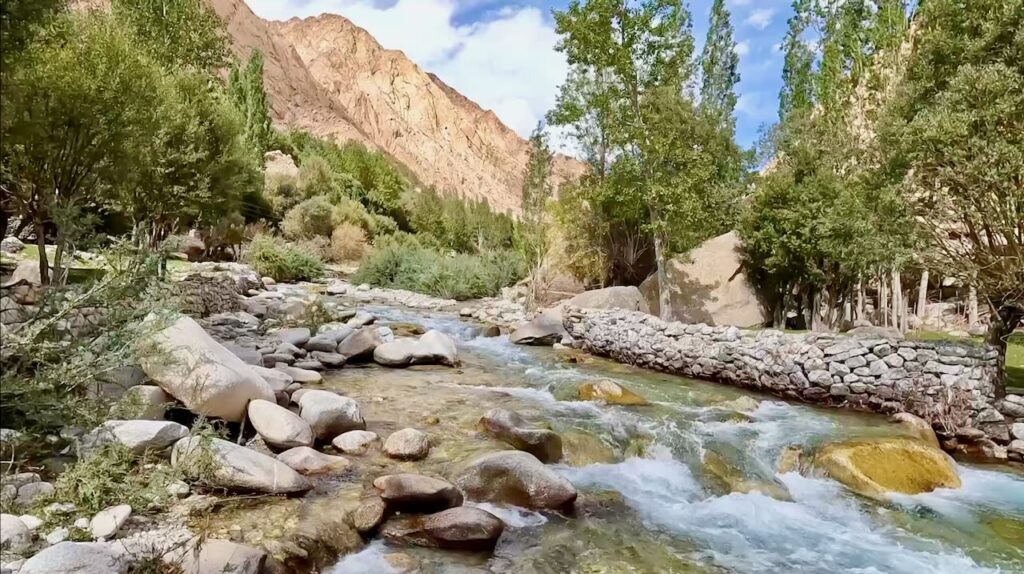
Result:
pixel 330 77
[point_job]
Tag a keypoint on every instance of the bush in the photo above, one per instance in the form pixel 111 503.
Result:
pixel 401 263
pixel 273 257
pixel 348 243
pixel 311 218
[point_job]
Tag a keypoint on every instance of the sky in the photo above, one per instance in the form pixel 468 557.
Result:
pixel 501 53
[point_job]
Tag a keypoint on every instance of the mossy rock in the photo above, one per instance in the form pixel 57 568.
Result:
pixel 610 392
pixel 406 329
pixel 582 449
pixel 875 468
pixel 727 477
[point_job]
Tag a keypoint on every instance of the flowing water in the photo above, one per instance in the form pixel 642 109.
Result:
pixel 687 484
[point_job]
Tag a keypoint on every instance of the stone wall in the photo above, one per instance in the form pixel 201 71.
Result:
pixel 948 384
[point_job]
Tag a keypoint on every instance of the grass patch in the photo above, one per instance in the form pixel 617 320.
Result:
pixel 273 257
pixel 405 264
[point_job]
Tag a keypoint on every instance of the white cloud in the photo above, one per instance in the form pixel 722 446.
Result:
pixel 742 48
pixel 506 63
pixel 760 18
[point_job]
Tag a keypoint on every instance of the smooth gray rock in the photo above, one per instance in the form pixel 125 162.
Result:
pixel 516 477
pixel 279 427
pixel 108 521
pixel 329 414
pixel 360 345
pixel 15 536
pixel 300 375
pixel 306 460
pixel 463 528
pixel 297 336
pixel 417 493
pixel 510 427
pixel 322 343
pixel 138 435
pixel 77 558
pixel 407 444
pixel 330 360
pixel 544 330
pixel 356 442
pixel 237 467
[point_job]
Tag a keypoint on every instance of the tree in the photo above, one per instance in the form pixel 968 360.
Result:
pixel 245 88
pixel 176 33
pixel 797 91
pixel 536 192
pixel 954 144
pixel 719 63
pixel 74 112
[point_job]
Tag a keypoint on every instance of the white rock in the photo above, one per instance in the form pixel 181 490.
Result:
pixel 436 347
pixel 82 523
pixel 276 378
pixel 31 522
pixel 237 467
pixel 407 444
pixel 355 442
pixel 278 426
pixel 397 353
pixel 15 535
pixel 57 535
pixel 300 375
pixel 107 521
pixel 200 372
pixel 330 414
pixel 306 460
pixel 137 435
pixel 77 558
pixel 214 556
pixel 146 402
pixel 1017 431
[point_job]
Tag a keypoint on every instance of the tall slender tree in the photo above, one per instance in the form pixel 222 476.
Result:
pixel 797 91
pixel 720 66
pixel 245 87
pixel 536 192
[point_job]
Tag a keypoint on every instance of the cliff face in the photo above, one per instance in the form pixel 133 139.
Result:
pixel 330 77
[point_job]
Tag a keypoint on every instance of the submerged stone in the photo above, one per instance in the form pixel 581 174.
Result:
pixel 875 468
pixel 610 392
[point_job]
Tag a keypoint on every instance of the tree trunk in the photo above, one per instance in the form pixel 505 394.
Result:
pixel 664 291
pixel 44 263
pixel 897 298
pixel 860 298
pixel 972 306
pixel 814 304
pixel 1004 321
pixel 883 303
pixel 922 294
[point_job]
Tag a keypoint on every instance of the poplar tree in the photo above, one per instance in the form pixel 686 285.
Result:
pixel 797 93
pixel 536 191
pixel 245 88
pixel 719 64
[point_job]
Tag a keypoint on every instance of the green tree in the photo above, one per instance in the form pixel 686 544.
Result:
pixel 74 112
pixel 177 33
pixel 536 192
pixel 797 93
pixel 844 53
pixel 953 142
pixel 245 87
pixel 719 63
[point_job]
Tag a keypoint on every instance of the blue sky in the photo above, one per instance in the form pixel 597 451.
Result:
pixel 501 54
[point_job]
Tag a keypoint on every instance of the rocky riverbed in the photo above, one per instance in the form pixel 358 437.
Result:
pixel 430 447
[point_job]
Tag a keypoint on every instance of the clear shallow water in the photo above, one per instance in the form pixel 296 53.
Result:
pixel 694 478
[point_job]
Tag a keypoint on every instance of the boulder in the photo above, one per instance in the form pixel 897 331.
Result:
pixel 397 353
pixel 138 435
pixel 198 371
pixel 237 467
pixel 11 244
pixel 279 427
pixel 108 521
pixel 329 360
pixel 335 332
pixel 322 343
pixel 306 460
pixel 416 493
pixel 518 478
pixel 214 556
pixel 145 402
pixel 917 427
pixel 369 515
pixel 875 468
pixel 77 558
pixel 329 414
pixel 360 345
pixel 628 298
pixel 309 365
pixel 273 359
pixel 513 429
pixel 28 494
pixel 544 330
pixel 14 534
pixel 407 444
pixel 463 528
pixel 610 392
pixel 436 347
pixel 708 285
pixel 300 375
pixel 361 319
pixel 276 378
pixel 297 336
pixel 356 442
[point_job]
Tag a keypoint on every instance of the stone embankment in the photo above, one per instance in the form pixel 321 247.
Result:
pixel 950 385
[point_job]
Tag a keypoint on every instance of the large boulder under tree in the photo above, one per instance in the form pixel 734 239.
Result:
pixel 708 285
pixel 204 375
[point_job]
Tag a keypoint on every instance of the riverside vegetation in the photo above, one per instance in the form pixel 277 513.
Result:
pixel 188 386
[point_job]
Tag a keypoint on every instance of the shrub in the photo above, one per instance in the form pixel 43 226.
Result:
pixel 405 264
pixel 273 257
pixel 311 218
pixel 348 243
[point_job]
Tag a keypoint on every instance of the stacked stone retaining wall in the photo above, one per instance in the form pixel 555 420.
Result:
pixel 951 385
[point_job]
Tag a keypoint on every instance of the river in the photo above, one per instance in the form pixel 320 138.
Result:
pixel 687 484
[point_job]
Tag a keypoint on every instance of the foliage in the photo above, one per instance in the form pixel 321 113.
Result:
pixel 457 224
pixel 177 33
pixel 273 257
pixel 54 361
pixel 401 262
pixel 797 93
pixel 311 218
pixel 533 236
pixel 720 65
pixel 245 88
pixel 20 22
pixel 348 243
